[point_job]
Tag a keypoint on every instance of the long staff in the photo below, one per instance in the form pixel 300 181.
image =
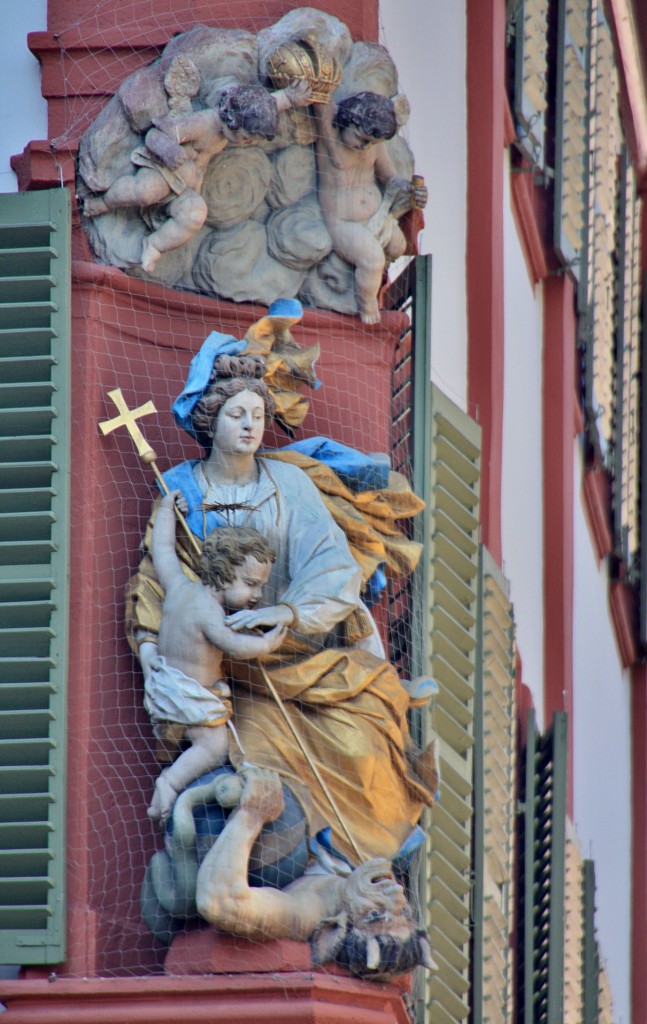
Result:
pixel 128 418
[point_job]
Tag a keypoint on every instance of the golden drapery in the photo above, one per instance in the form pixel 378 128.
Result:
pixel 349 708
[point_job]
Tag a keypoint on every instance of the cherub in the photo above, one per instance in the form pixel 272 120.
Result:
pixel 352 162
pixel 177 151
pixel 183 681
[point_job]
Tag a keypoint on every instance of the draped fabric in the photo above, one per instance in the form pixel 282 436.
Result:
pixel 345 702
pixel 349 708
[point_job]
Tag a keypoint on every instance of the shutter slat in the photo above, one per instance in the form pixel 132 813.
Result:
pixel 449 605
pixel 35 271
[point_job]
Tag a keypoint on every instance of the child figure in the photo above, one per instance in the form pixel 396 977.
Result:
pixel 183 684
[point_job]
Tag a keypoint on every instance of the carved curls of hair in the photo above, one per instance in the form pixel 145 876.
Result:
pixel 251 108
pixel 225 550
pixel 371 113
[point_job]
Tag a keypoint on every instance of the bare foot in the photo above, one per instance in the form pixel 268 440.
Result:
pixel 370 315
pixel 150 256
pixel 163 799
pixel 94 206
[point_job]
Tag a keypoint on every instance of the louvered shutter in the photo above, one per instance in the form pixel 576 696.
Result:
pixel 494 800
pixel 449 624
pixel 573 47
pixel 541 872
pixel 590 960
pixel 605 144
pixel 626 426
pixel 574 932
pixel 530 77
pixel 34 518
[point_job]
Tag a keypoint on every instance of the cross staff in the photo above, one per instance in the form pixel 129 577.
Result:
pixel 128 418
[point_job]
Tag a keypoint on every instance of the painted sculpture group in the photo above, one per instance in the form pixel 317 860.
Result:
pixel 289 794
pixel 291 791
pixel 246 166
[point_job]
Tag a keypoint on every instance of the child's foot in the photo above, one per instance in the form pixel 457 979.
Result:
pixel 150 256
pixel 371 314
pixel 164 797
pixel 94 206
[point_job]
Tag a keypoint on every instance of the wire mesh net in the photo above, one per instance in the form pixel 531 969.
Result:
pixel 138 332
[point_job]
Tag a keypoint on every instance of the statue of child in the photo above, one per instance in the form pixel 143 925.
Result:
pixel 174 159
pixel 183 684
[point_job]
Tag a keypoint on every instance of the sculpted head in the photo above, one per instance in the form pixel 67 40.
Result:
pixel 248 113
pixel 372 115
pixel 232 375
pixel 374 935
pixel 236 561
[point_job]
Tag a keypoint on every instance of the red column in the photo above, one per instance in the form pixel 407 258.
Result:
pixel 639 843
pixel 486 105
pixel 558 466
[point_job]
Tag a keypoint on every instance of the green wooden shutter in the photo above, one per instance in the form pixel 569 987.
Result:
pixel 450 571
pixel 34 526
pixel 531 77
pixel 590 958
pixel 542 844
pixel 494 804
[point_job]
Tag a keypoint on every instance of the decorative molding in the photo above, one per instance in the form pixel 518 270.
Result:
pixel 596 491
pixel 42 164
pixel 528 212
pixel 286 998
pixel 622 607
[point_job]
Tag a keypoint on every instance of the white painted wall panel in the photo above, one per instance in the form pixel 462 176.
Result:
pixel 602 756
pixel 427 40
pixel 23 111
pixel 521 501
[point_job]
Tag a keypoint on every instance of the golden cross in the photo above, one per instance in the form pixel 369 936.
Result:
pixel 127 418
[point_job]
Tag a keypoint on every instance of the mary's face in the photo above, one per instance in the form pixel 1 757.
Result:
pixel 240 424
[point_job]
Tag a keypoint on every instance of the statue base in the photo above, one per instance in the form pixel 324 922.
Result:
pixel 207 951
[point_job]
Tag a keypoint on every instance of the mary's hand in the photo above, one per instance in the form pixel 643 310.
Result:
pixel 252 618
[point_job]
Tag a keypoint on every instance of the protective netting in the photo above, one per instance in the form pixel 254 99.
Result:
pixel 134 332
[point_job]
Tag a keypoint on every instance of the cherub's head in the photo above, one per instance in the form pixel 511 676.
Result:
pixel 249 114
pixel 365 118
pixel 236 561
pixel 374 935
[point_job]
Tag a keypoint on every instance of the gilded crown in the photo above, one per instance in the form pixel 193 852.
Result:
pixel 305 60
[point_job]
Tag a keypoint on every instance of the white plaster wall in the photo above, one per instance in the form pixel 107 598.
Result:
pixel 602 753
pixel 23 111
pixel 522 476
pixel 427 40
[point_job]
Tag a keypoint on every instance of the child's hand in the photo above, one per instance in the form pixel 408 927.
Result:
pixel 299 93
pixel 274 638
pixel 175 499
pixel 181 503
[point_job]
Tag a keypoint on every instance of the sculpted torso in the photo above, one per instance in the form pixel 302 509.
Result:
pixel 348 188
